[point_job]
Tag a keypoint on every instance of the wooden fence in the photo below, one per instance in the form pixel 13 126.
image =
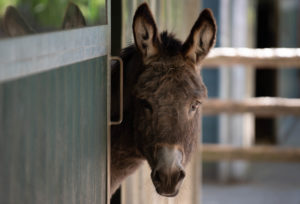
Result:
pixel 262 106
pixel 258 58
pixel 257 153
pixel 265 106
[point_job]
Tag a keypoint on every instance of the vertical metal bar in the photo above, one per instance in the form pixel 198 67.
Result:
pixel 118 122
pixel 108 94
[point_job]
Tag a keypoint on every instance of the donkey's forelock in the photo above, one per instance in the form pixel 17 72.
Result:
pixel 170 46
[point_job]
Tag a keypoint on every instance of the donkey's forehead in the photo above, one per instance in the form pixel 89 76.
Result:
pixel 165 61
pixel 173 81
pixel 173 65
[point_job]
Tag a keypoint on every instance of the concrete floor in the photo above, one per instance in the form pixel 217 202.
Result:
pixel 267 183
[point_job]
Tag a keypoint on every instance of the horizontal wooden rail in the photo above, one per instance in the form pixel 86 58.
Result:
pixel 262 106
pixel 256 153
pixel 260 58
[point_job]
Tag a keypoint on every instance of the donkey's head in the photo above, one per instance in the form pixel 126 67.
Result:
pixel 168 96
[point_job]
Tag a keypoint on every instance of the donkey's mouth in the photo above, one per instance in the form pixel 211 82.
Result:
pixel 167 194
pixel 165 188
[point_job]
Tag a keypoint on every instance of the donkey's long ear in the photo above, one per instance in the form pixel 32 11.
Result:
pixel 73 17
pixel 145 32
pixel 14 24
pixel 202 37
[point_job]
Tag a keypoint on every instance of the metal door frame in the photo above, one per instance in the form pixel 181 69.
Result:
pixel 24 56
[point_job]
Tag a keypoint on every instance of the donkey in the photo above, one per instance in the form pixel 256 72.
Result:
pixel 162 96
pixel 14 23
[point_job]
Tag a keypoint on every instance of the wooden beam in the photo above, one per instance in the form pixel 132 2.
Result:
pixel 259 58
pixel 263 106
pixel 256 153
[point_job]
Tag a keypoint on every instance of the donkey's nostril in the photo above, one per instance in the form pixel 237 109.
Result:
pixel 156 177
pixel 181 175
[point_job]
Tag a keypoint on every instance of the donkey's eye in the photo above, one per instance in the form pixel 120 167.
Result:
pixel 195 105
pixel 146 104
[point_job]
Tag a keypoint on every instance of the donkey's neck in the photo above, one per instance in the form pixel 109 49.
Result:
pixel 125 158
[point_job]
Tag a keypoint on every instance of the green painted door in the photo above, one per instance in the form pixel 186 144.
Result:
pixel 54 109
pixel 53 129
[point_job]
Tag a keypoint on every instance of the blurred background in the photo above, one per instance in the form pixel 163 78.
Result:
pixel 47 15
pixel 241 23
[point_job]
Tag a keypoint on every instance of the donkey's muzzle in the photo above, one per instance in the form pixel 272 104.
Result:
pixel 167 183
pixel 168 173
